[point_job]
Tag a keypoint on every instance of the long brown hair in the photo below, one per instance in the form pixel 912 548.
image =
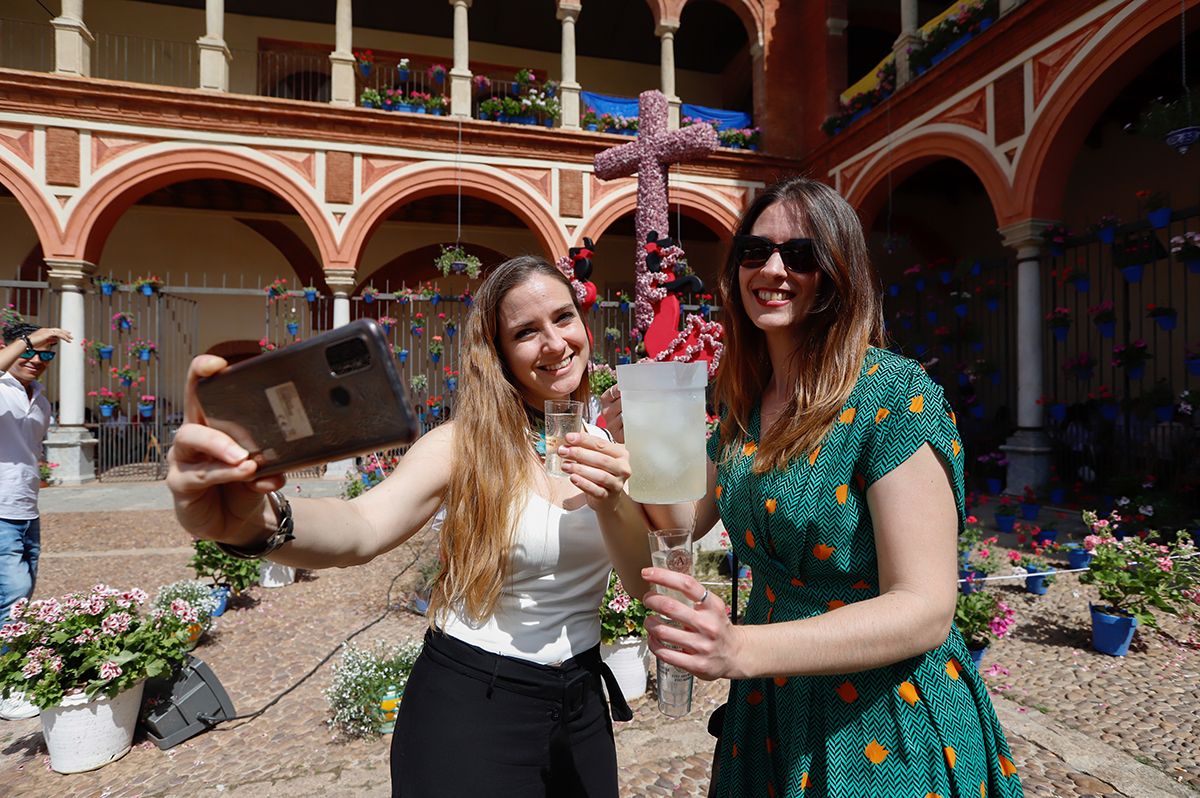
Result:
pixel 846 318
pixel 493 458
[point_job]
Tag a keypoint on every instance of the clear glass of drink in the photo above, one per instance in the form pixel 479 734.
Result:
pixel 672 549
pixel 563 416
pixel 662 407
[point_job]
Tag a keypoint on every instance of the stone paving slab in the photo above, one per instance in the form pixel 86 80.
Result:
pixel 261 649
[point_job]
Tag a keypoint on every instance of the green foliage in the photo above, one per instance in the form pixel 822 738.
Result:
pixel 98 642
pixel 361 679
pixel 982 617
pixel 601 378
pixel 1140 579
pixel 222 570
pixel 621 615
pixel 197 594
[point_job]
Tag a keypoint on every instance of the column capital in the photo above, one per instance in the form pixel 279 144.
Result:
pixel 568 10
pixel 836 27
pixel 70 275
pixel 666 26
pixel 466 3
pixel 1025 236
pixel 340 281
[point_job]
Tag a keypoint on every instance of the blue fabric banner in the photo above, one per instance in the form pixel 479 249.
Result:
pixel 628 107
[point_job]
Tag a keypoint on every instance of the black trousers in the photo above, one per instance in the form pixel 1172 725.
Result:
pixel 473 723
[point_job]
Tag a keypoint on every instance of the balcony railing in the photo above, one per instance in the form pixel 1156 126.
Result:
pixel 137 59
pixel 26 45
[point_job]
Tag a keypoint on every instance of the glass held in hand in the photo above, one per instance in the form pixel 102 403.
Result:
pixel 672 549
pixel 563 416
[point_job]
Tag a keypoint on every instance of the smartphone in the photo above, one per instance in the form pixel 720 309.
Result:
pixel 335 395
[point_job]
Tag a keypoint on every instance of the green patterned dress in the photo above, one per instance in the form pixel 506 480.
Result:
pixel 921 727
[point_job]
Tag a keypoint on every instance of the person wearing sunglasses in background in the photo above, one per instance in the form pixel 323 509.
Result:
pixel 24 419
pixel 838 473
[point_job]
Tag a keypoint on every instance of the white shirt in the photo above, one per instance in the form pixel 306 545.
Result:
pixel 23 425
pixel 558 570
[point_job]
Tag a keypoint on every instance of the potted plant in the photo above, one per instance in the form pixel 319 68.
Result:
pixel 400 353
pixel 1080 367
pixel 365 60
pixel 108 284
pixel 196 595
pixel 1106 228
pixel 1132 358
pixel 96 350
pixel 1191 359
pixel 435 348
pixel 107 400
pixel 368 293
pixel 126 375
pixel 1136 581
pixel 482 84
pixel 982 617
pixel 590 120
pixel 367 687
pixel 612 334
pixel 121 322
pixel 968 539
pixel 982 560
pixel 491 108
pixel 1006 515
pixel 451 379
pixel 1187 247
pixel 146 405
pixel 402 70
pixel 223 571
pixel 83 659
pixel 1056 236
pixel 266 345
pixel 1156 206
pixel 437 74
pixel 454 259
pixel 1173 120
pixel 419 383
pixel 1106 402
pixel 1060 322
pixel 1136 252
pixel 1030 506
pixel 417 325
pixel 624 356
pixel 451 327
pixel 524 78
pixel 1160 401
pixel 142 348
pixel 1165 317
pixel 434 403
pixel 437 104
pixel 1104 318
pixel 623 637
pixel 148 284
pixel 370 98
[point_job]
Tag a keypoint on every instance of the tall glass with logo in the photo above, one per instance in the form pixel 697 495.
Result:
pixel 672 549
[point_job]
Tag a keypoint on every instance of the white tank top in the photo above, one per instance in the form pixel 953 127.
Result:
pixel 558 572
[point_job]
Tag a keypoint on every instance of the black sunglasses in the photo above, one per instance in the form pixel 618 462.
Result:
pixel 751 252
pixel 45 355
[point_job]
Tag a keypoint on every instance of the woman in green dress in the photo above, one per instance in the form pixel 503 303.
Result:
pixel 838 473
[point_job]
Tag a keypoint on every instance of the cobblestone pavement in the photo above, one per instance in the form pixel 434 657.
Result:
pixel 1142 706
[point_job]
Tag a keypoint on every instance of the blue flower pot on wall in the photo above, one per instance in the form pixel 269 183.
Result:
pixel 1037 584
pixel 1107 328
pixel 1058 412
pixel 1109 410
pixel 1193 366
pixel 1136 372
pixel 1082 284
pixel 1111 634
pixel 107 289
pixel 1005 522
pixel 1193 265
pixel 1132 274
pixel 1060 333
pixel 1107 235
pixel 106 353
pixel 1166 323
pixel 1164 413
pixel 994 485
pixel 992 305
pixel 960 310
pixel 293 328
pixel 1159 218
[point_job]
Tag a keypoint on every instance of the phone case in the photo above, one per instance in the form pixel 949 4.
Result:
pixel 290 409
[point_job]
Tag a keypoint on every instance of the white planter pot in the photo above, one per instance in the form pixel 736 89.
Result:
pixel 626 658
pixel 272 574
pixel 85 735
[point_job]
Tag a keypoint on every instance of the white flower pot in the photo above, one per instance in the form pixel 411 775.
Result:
pixel 272 574
pixel 85 735
pixel 626 658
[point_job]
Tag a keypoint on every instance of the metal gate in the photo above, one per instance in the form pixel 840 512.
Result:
pixel 138 348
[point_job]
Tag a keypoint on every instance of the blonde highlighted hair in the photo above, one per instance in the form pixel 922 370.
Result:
pixel 846 318
pixel 494 461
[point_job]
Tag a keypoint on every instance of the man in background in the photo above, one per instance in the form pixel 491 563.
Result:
pixel 24 418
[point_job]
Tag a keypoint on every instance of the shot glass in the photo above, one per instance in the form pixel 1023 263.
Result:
pixel 563 416
pixel 672 549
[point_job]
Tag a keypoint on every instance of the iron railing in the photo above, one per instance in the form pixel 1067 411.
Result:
pixel 26 45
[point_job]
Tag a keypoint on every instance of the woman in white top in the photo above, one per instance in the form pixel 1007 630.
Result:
pixel 506 698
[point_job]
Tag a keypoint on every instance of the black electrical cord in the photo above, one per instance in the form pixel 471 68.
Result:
pixel 213 721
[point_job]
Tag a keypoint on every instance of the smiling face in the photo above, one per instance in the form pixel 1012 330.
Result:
pixel 778 301
pixel 542 340
pixel 25 370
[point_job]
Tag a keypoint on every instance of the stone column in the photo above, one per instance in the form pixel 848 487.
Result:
pixel 835 67
pixel 1028 448
pixel 908 37
pixel 569 88
pixel 341 90
pixel 69 443
pixel 341 282
pixel 1008 5
pixel 665 31
pixel 214 53
pixel 460 73
pixel 72 41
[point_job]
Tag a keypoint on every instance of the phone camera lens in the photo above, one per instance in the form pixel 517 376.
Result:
pixel 340 396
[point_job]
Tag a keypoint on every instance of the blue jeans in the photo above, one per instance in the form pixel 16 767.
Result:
pixel 20 545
